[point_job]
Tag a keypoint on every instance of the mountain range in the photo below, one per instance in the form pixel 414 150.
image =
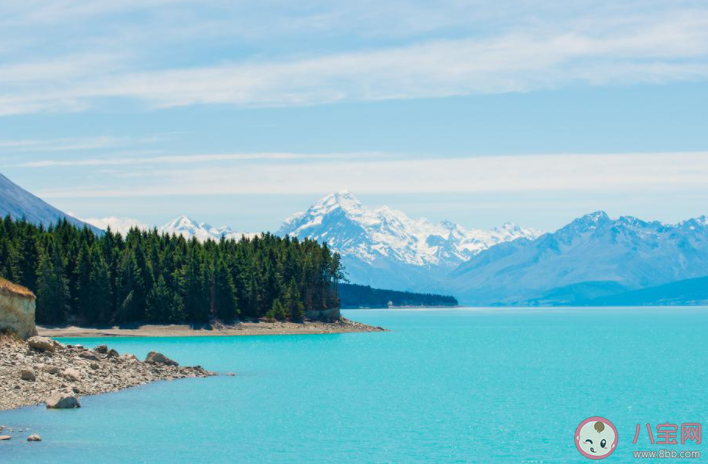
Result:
pixel 590 258
pixel 383 247
pixel 594 260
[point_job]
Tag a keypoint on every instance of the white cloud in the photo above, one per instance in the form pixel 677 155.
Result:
pixel 593 173
pixel 670 48
pixel 117 224
pixel 187 159
pixel 71 144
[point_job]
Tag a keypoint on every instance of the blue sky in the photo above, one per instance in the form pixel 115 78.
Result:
pixel 242 113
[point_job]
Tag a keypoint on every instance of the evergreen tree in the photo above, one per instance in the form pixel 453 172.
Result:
pixel 226 305
pixel 159 302
pixel 52 291
pixel 294 306
pixel 80 277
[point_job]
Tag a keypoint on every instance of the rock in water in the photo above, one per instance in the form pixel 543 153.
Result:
pixel 34 438
pixel 5 437
pixel 63 401
pixel 154 357
pixel 27 375
pixel 42 344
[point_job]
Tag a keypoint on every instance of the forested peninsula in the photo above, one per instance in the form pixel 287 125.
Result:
pixel 84 278
pixel 362 296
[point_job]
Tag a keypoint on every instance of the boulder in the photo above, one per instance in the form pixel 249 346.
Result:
pixel 28 375
pixel 88 355
pixel 5 437
pixel 102 349
pixel 113 354
pixel 51 370
pixel 154 357
pixel 42 344
pixel 63 401
pixel 71 374
pixel 34 438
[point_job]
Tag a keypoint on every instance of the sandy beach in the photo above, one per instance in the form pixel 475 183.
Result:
pixel 240 329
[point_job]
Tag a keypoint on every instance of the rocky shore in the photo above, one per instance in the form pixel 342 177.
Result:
pixel 44 371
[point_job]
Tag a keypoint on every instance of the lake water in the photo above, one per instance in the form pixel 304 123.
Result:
pixel 444 386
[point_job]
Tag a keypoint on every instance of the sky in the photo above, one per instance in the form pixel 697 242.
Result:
pixel 241 113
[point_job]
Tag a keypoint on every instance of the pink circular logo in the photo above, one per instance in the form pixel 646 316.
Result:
pixel 596 438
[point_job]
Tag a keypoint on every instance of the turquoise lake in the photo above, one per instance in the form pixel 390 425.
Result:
pixel 443 386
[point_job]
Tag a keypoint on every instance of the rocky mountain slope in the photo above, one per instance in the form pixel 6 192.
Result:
pixel 19 203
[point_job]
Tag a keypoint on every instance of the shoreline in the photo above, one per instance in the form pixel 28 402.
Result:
pixel 42 370
pixel 237 330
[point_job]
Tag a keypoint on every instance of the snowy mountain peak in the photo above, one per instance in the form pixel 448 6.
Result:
pixel 188 228
pixel 375 234
pixel 342 199
pixel 588 223
pixel 183 223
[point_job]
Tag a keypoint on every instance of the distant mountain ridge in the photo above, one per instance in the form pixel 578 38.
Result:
pixel 592 257
pixel 679 293
pixel 19 203
pixel 189 228
pixel 385 248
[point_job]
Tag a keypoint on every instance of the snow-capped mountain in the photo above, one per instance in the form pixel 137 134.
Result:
pixel 591 257
pixel 19 203
pixel 386 248
pixel 189 228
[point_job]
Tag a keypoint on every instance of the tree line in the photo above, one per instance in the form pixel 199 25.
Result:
pixel 84 278
pixel 361 296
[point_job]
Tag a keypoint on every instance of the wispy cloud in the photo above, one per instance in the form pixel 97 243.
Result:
pixel 189 159
pixel 117 224
pixel 619 173
pixel 669 48
pixel 73 144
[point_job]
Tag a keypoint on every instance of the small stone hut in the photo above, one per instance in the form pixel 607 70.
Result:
pixel 17 307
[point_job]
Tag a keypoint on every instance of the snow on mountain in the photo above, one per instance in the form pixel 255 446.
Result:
pixel 189 228
pixel 591 257
pixel 377 243
pixel 120 225
pixel 19 203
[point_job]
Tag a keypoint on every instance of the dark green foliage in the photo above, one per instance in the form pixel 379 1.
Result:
pixel 82 278
pixel 360 296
